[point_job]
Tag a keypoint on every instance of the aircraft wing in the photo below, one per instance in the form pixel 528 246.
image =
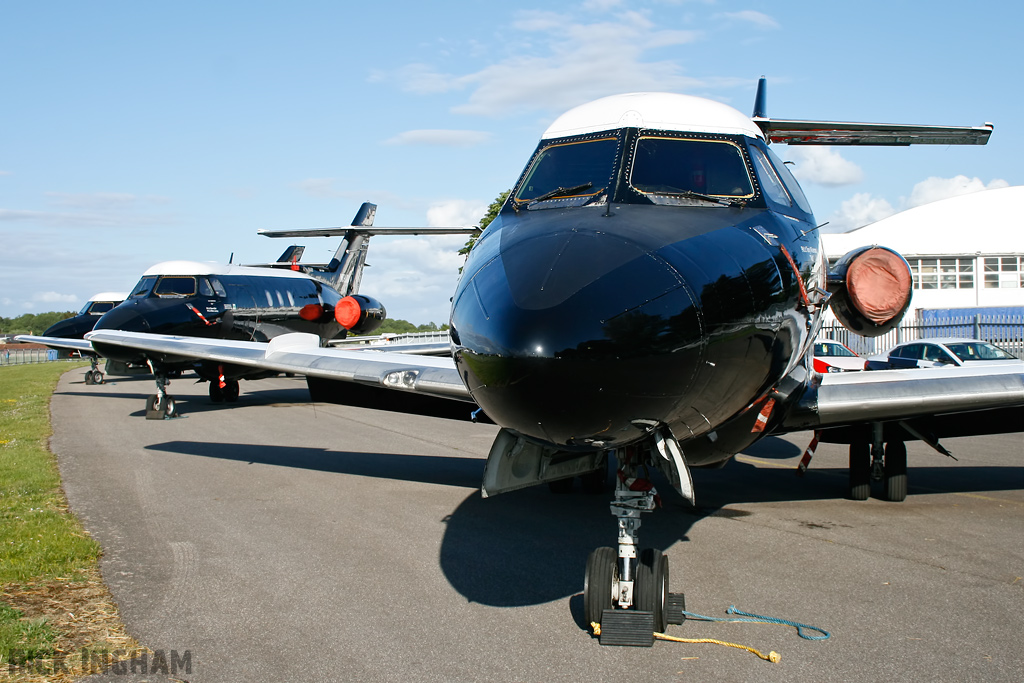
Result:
pixel 794 132
pixel 302 354
pixel 57 342
pixel 838 399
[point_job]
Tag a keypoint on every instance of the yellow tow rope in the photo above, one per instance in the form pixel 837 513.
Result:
pixel 772 656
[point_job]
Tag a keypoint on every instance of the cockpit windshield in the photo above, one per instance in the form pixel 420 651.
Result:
pixel 583 167
pixel 678 166
pixel 96 307
pixel 175 286
pixel 144 287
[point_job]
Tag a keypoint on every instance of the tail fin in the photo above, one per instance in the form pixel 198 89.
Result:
pixel 292 254
pixel 345 270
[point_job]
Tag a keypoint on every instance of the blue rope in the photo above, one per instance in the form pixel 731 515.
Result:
pixel 759 619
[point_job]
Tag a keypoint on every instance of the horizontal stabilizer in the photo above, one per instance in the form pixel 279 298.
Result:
pixel 793 132
pixel 369 231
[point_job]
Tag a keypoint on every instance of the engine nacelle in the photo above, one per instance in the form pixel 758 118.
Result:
pixel 871 289
pixel 359 314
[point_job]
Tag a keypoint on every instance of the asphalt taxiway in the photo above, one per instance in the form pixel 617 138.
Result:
pixel 277 539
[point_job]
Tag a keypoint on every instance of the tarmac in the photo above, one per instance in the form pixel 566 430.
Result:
pixel 277 539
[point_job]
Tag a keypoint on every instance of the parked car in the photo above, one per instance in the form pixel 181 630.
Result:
pixel 940 352
pixel 832 356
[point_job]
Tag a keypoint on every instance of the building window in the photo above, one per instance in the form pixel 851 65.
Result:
pixel 1004 272
pixel 942 273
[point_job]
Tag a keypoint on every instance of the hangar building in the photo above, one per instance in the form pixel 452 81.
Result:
pixel 964 252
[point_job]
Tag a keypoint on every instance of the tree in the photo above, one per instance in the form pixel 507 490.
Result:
pixel 492 213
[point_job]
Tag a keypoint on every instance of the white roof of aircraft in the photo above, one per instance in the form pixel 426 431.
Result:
pixel 109 296
pixel 657 110
pixel 211 268
pixel 989 222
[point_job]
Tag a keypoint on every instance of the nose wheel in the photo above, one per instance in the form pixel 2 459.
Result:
pixel 160 406
pixel 624 591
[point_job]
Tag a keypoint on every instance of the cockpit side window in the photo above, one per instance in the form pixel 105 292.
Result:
pixel 665 165
pixel 100 307
pixel 569 165
pixel 144 287
pixel 204 287
pixel 218 288
pixel 176 286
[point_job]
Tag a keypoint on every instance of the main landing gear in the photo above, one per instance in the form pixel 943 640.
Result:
pixel 626 590
pixel 878 461
pixel 228 393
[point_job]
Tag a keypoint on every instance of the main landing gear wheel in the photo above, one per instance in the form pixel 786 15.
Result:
pixel 602 567
pixel 231 390
pixel 216 393
pixel 896 471
pixel 860 471
pixel 651 592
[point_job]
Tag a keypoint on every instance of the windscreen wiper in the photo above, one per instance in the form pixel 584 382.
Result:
pixel 690 194
pixel 552 194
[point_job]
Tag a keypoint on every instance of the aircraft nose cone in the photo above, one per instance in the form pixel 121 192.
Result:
pixel 125 317
pixel 571 337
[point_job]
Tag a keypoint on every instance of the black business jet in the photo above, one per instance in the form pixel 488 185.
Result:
pixel 651 290
pixel 76 326
pixel 242 303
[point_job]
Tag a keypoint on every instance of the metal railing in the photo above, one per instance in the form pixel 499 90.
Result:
pixel 16 356
pixel 1005 331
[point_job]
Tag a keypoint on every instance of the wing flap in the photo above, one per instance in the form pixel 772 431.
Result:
pixel 301 354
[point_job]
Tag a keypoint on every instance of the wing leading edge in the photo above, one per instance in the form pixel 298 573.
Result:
pixel 302 354
pixel 848 398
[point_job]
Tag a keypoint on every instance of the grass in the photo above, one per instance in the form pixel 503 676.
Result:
pixel 53 603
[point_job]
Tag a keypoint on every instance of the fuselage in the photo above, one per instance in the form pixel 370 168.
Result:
pixel 76 326
pixel 670 277
pixel 229 302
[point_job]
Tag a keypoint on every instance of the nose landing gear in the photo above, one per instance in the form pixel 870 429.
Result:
pixel 626 591
pixel 160 406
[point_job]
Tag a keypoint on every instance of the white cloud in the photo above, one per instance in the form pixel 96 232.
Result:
pixel 823 166
pixel 758 19
pixel 455 212
pixel 440 137
pixel 934 189
pixel 863 209
pixel 54 297
pixel 561 62
pixel 857 212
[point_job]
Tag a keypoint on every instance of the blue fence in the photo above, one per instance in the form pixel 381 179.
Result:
pixel 1005 331
pixel 12 355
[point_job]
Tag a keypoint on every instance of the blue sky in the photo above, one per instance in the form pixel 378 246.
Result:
pixel 137 132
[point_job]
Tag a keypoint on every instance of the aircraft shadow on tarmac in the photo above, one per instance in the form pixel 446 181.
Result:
pixel 530 547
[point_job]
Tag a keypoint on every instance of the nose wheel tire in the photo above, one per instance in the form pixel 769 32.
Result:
pixel 160 409
pixel 231 390
pixel 602 567
pixel 652 586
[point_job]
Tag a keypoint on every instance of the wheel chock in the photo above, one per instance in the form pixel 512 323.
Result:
pixel 627 627
pixel 675 606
